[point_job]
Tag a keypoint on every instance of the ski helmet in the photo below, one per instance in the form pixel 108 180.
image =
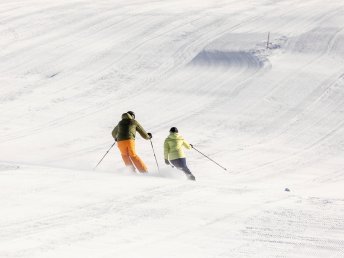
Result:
pixel 131 113
pixel 174 130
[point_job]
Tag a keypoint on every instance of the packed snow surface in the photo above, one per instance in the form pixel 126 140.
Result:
pixel 271 113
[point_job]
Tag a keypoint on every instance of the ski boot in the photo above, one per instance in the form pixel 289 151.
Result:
pixel 191 177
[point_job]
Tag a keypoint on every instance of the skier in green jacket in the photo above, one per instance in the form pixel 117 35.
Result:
pixel 124 134
pixel 174 154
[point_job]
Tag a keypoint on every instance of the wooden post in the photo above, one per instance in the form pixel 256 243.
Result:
pixel 268 41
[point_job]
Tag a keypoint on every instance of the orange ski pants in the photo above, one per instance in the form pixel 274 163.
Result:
pixel 129 156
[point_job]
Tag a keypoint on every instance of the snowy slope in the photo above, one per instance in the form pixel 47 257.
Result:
pixel 274 117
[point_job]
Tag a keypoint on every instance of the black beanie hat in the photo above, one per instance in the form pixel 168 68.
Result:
pixel 174 130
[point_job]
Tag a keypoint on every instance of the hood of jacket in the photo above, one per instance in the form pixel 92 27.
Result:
pixel 126 116
pixel 175 136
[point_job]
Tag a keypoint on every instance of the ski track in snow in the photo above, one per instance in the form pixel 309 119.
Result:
pixel 274 117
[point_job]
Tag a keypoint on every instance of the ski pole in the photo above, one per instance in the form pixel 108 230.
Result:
pixel 169 162
pixel 208 158
pixel 154 155
pixel 104 155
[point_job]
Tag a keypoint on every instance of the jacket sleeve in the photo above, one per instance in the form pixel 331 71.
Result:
pixel 141 131
pixel 114 132
pixel 186 145
pixel 166 149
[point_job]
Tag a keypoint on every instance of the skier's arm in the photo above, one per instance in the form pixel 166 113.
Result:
pixel 141 131
pixel 166 150
pixel 186 145
pixel 114 132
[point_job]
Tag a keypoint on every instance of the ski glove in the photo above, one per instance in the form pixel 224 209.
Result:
pixel 167 162
pixel 150 135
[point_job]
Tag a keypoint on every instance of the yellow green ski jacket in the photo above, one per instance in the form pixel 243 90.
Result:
pixel 173 146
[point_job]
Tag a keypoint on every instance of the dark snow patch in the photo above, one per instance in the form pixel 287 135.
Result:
pixel 6 167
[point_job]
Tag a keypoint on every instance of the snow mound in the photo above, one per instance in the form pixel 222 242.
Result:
pixel 241 50
pixel 216 58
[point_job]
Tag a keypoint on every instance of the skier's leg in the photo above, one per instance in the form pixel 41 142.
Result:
pixel 186 170
pixel 139 164
pixel 176 163
pixel 181 165
pixel 123 148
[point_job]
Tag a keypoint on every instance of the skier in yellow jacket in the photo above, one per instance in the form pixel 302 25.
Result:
pixel 174 154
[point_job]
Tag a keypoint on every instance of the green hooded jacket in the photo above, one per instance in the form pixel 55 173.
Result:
pixel 173 146
pixel 126 129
